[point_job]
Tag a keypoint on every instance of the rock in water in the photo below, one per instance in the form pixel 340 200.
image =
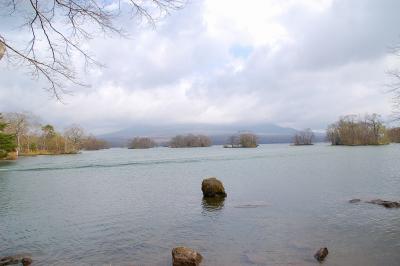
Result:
pixel 26 261
pixel 183 256
pixel 354 200
pixel 212 187
pixel 385 203
pixel 12 260
pixel 321 254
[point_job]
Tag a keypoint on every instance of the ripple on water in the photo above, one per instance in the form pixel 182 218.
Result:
pixel 128 207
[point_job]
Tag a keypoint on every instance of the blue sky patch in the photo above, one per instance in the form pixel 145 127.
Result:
pixel 239 50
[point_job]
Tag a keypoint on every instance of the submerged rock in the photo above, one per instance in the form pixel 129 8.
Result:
pixel 321 254
pixel 12 260
pixel 183 256
pixel 385 203
pixel 254 258
pixel 354 200
pixel 26 261
pixel 212 187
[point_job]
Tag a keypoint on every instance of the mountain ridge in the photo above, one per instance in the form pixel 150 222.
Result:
pixel 268 132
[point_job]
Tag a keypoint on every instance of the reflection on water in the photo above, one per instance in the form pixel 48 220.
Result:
pixel 251 205
pixel 5 164
pixel 213 204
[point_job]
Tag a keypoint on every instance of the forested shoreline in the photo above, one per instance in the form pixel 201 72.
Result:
pixel 22 134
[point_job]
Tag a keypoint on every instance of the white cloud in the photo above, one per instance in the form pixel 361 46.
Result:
pixel 295 63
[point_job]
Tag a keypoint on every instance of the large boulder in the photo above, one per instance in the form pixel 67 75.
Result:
pixel 212 187
pixel 321 254
pixel 183 256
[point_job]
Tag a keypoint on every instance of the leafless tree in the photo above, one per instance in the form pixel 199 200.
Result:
pixel 394 134
pixel 74 136
pixel 21 126
pixel 394 85
pixel 58 29
pixel 248 140
pixel 234 141
pixel 91 143
pixel 190 140
pixel 304 137
pixel 142 143
pixel 358 130
pixel 242 140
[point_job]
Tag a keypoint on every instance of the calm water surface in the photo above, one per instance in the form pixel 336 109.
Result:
pixel 131 207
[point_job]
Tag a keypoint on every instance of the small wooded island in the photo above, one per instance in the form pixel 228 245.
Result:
pixel 190 140
pixel 243 140
pixel 142 143
pixel 304 137
pixel 353 130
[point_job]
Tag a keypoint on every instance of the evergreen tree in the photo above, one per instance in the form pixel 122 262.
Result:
pixel 7 141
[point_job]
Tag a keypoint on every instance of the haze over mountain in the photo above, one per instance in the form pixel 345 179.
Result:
pixel 268 133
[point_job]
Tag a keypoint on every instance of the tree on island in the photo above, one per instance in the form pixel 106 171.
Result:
pixel 248 140
pixel 233 142
pixel 394 134
pixel 142 143
pixel 304 137
pixel 74 135
pixel 52 32
pixel 243 140
pixel 91 143
pixel 355 130
pixel 190 140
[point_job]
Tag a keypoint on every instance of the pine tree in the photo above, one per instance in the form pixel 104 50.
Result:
pixel 7 141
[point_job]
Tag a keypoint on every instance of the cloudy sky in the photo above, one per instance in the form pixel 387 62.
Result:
pixel 299 63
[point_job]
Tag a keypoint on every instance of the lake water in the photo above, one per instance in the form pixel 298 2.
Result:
pixel 131 207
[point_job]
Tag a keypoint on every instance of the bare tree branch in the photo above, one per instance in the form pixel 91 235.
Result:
pixel 394 85
pixel 57 29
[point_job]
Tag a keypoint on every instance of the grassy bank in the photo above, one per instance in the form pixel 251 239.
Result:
pixel 44 152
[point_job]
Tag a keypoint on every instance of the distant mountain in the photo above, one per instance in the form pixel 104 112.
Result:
pixel 268 133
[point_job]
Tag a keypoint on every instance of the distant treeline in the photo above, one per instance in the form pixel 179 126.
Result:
pixel 243 140
pixel 23 134
pixel 30 137
pixel 348 130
